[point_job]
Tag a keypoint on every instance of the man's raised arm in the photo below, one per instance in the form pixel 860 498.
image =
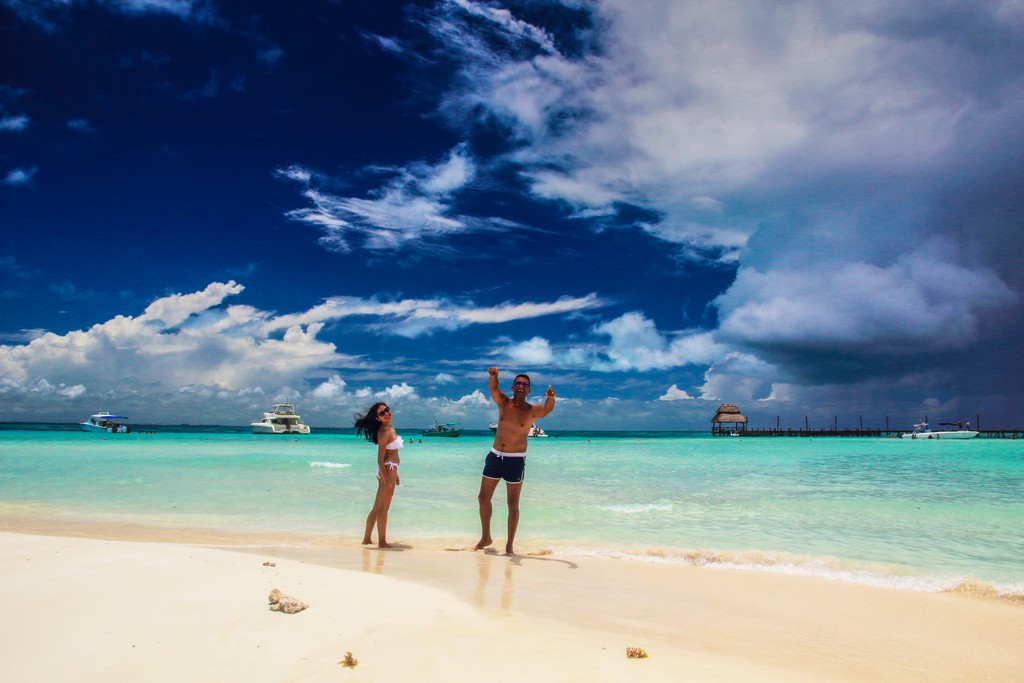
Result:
pixel 549 403
pixel 492 384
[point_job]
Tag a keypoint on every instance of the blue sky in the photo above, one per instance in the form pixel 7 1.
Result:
pixel 657 206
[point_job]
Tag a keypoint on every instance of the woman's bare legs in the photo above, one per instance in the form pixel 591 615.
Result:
pixel 381 505
pixel 371 519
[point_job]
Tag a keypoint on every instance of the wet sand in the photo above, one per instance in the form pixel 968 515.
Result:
pixel 90 609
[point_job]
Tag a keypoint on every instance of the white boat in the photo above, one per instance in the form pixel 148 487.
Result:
pixel 536 432
pixel 280 420
pixel 106 423
pixel 450 429
pixel 921 431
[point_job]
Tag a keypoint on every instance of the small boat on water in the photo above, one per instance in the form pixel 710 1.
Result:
pixel 921 431
pixel 450 429
pixel 535 431
pixel 106 423
pixel 280 420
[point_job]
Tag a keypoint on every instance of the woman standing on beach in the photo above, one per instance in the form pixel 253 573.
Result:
pixel 376 426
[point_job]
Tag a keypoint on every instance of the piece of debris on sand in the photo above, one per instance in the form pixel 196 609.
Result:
pixel 279 602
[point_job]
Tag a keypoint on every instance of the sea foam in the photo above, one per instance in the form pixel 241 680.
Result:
pixel 637 508
pixel 829 568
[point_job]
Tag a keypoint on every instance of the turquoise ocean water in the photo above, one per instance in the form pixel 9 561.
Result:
pixel 920 515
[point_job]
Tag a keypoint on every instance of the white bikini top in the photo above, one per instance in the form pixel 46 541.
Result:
pixel 395 445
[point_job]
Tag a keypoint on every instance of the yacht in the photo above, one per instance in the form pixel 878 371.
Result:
pixel 280 420
pixel 921 431
pixel 106 423
pixel 450 429
pixel 537 433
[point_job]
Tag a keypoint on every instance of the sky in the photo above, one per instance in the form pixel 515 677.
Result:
pixel 811 209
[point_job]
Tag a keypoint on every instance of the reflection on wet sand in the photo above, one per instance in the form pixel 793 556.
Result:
pixel 376 559
pixel 483 563
pixel 378 563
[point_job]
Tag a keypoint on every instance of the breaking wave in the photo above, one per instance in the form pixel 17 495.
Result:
pixel 829 568
pixel 637 508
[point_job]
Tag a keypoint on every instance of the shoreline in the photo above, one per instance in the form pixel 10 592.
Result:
pixel 28 521
pixel 426 614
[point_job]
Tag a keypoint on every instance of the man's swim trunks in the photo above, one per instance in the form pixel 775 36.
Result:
pixel 508 466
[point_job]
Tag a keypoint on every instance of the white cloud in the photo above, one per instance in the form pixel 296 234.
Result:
pixel 674 393
pixel 49 14
pixel 413 205
pixel 177 7
pixel 536 351
pixel 174 309
pixel 673 125
pixel 636 344
pixel 14 123
pixel 737 378
pixel 781 392
pixel 476 398
pixel 39 391
pixel 179 340
pixel 923 300
pixel 196 355
pixel 332 387
pixel 725 120
pixel 397 392
pixel 416 317
pixel 509 24
pixel 633 344
pixel 296 173
pixel 385 43
pixel 41 386
pixel 20 176
pixel 71 392
pixel 271 55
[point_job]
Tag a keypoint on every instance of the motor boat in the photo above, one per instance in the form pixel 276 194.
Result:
pixel 450 429
pixel 106 423
pixel 537 433
pixel 921 431
pixel 280 420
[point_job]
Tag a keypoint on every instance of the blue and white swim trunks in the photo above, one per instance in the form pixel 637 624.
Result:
pixel 508 466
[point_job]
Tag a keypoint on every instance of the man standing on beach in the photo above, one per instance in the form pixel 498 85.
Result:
pixel 507 458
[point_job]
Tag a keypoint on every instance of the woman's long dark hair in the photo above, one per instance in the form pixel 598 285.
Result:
pixel 368 424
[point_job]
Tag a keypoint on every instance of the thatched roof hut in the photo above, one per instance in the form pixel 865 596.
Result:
pixel 727 414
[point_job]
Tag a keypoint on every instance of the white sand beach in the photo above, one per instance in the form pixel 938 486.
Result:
pixel 87 609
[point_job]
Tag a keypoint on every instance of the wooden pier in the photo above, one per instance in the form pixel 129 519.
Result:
pixel 729 421
pixel 873 433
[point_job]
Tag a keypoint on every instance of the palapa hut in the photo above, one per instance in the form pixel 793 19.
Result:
pixel 728 419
